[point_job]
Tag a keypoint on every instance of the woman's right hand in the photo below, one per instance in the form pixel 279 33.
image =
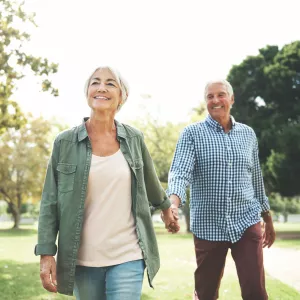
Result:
pixel 48 273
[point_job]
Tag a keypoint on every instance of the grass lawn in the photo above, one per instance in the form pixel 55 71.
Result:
pixel 287 227
pixel 287 235
pixel 19 278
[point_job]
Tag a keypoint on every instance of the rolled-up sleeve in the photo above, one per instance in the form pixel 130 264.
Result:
pixel 182 166
pixel 257 180
pixel 48 217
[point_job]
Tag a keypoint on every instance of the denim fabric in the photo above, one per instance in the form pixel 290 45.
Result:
pixel 118 282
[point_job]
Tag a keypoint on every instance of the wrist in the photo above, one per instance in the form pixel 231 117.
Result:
pixel 266 216
pixel 166 210
pixel 175 200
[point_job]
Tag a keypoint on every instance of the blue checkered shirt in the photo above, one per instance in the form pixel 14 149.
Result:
pixel 223 171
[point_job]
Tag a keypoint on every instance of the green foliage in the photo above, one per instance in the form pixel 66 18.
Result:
pixel 284 205
pixel 23 160
pixel 267 93
pixel 14 62
pixel 161 141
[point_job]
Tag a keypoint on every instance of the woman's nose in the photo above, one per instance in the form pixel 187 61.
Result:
pixel 101 87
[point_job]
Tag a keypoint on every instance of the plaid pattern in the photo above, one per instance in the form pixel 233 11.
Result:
pixel 223 171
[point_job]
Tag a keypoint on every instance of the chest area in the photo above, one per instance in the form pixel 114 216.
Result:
pixel 104 146
pixel 217 149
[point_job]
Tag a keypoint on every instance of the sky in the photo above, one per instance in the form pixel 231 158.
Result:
pixel 166 49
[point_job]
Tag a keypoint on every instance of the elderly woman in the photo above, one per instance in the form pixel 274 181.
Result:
pixel 99 182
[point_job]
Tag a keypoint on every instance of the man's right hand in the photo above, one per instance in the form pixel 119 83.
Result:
pixel 48 273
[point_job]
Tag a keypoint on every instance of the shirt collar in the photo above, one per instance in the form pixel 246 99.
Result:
pixel 216 125
pixel 82 132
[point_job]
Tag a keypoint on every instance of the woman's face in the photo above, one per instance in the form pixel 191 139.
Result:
pixel 104 93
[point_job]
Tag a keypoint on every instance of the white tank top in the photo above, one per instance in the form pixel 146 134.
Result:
pixel 109 233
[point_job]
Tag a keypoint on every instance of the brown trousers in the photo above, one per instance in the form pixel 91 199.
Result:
pixel 248 256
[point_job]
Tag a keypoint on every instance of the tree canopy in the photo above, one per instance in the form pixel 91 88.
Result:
pixel 15 62
pixel 267 98
pixel 24 156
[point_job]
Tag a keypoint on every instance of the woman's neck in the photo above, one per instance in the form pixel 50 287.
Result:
pixel 101 123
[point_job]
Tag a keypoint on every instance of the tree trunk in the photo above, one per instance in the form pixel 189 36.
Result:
pixel 285 215
pixel 16 215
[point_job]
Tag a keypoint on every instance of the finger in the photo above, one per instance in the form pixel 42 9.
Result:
pixel 47 284
pixel 267 240
pixel 272 240
pixel 264 239
pixel 174 227
pixel 53 274
pixel 175 211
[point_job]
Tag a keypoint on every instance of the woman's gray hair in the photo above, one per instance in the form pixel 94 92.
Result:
pixel 123 85
pixel 220 81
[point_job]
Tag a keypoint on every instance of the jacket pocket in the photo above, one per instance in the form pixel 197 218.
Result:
pixel 66 177
pixel 139 171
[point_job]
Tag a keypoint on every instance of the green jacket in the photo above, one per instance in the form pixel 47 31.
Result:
pixel 64 193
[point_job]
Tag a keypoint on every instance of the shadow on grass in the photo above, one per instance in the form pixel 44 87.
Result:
pixel 21 282
pixel 17 232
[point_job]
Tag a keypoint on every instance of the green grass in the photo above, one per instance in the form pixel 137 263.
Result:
pixel 295 244
pixel 287 235
pixel 287 227
pixel 19 271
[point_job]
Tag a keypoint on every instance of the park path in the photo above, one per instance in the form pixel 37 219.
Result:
pixel 280 263
pixel 284 265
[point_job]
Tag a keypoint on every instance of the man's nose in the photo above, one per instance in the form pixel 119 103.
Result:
pixel 215 99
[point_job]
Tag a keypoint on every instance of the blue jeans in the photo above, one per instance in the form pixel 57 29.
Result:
pixel 118 282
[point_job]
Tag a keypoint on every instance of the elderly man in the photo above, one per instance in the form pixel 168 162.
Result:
pixel 219 159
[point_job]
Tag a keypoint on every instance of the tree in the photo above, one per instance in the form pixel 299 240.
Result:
pixel 267 93
pixel 161 141
pixel 23 161
pixel 284 205
pixel 14 63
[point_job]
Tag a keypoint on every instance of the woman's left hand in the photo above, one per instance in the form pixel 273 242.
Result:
pixel 171 221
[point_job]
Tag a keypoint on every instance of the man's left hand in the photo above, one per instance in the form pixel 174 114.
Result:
pixel 269 233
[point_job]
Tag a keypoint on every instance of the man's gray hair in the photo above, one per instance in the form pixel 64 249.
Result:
pixel 123 85
pixel 220 81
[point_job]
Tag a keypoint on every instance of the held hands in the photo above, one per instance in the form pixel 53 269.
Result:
pixel 170 218
pixel 48 273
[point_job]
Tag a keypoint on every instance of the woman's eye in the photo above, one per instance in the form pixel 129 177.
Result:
pixel 111 84
pixel 94 83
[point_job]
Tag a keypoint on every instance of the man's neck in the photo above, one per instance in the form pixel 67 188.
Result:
pixel 226 124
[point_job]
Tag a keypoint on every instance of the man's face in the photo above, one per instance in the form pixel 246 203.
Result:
pixel 218 101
